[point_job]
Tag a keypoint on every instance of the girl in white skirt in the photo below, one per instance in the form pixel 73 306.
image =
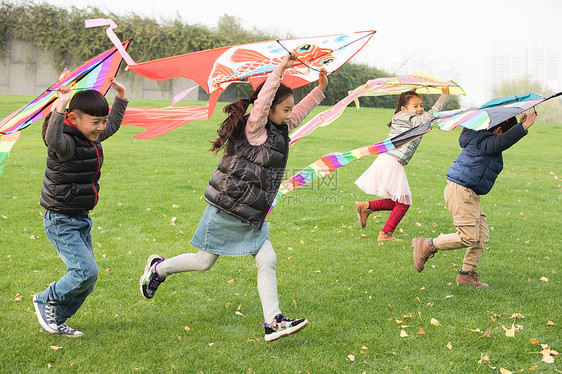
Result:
pixel 386 176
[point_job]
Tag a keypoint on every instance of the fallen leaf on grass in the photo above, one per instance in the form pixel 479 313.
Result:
pixel 434 322
pixel 186 328
pixel 533 368
pixel 510 333
pixel 544 279
pixel 534 341
pixel 403 334
pixel 18 297
pixel 421 331
pixel 486 334
pixel 351 358
pixel 55 348
pixel 550 323
pixel 505 371
pixel 548 359
pixel 449 346
pixel 238 313
pixel 211 344
pixel 364 347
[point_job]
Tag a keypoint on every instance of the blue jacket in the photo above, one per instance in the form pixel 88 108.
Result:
pixel 480 161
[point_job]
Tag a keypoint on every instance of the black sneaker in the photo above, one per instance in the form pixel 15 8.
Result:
pixel 45 312
pixel 150 280
pixel 283 326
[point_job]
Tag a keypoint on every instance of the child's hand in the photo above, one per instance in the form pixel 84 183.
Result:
pixel 64 94
pixel 118 87
pixel 323 79
pixel 529 119
pixel 445 90
pixel 287 62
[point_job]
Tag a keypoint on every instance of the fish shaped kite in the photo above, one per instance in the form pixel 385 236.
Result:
pixel 327 164
pixel 490 114
pixel 94 73
pixel 423 83
pixel 215 69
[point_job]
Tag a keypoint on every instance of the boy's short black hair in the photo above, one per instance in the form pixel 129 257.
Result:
pixel 505 125
pixel 90 102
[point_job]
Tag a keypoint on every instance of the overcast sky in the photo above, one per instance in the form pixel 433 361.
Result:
pixel 457 31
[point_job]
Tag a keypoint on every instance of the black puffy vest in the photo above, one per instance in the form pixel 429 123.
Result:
pixel 71 187
pixel 245 183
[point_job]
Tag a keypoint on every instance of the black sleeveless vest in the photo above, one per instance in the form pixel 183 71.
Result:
pixel 245 183
pixel 71 187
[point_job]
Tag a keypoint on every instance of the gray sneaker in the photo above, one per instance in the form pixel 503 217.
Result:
pixel 150 280
pixel 64 329
pixel 45 312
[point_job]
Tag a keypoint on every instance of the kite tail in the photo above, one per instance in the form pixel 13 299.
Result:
pixel 6 144
pixel 327 164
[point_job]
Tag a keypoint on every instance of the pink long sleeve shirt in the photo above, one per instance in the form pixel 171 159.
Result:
pixel 256 133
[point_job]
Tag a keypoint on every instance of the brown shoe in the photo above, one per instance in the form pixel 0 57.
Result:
pixel 363 211
pixel 422 252
pixel 383 236
pixel 469 278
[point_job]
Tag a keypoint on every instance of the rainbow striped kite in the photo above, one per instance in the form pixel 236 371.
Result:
pixel 490 114
pixel 424 83
pixel 6 144
pixel 92 74
pixel 326 165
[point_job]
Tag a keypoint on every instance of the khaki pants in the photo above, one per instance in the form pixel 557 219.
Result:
pixel 472 226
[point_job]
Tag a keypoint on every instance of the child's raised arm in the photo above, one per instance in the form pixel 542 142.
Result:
pixel 118 87
pixel 528 119
pixel 286 63
pixel 64 94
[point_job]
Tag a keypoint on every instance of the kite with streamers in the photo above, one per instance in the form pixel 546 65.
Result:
pixel 6 144
pixel 490 114
pixel 423 83
pixel 326 165
pixel 94 73
pixel 215 69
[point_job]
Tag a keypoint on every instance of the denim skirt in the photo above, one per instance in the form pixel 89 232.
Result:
pixel 223 234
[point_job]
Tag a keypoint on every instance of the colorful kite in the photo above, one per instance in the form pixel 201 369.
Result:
pixel 215 69
pixel 490 114
pixel 6 144
pixel 158 121
pixel 92 74
pixel 424 83
pixel 326 165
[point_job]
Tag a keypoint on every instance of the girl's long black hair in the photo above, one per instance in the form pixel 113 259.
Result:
pixel 232 128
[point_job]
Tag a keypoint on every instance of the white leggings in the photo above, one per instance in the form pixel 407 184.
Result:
pixel 201 261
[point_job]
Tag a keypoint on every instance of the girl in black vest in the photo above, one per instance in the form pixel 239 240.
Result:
pixel 241 191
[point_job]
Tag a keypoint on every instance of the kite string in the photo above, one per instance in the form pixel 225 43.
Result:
pixel 389 78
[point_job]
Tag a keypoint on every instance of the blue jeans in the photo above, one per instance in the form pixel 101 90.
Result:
pixel 71 237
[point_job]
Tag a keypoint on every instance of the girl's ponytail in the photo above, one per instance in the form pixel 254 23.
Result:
pixel 403 100
pixel 232 127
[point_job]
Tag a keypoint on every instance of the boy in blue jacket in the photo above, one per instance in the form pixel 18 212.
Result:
pixel 472 174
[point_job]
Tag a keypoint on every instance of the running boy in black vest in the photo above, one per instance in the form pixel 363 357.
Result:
pixel 70 191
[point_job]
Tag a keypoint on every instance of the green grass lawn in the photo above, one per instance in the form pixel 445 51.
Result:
pixel 358 294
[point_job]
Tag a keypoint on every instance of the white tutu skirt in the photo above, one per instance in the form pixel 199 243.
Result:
pixel 386 178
